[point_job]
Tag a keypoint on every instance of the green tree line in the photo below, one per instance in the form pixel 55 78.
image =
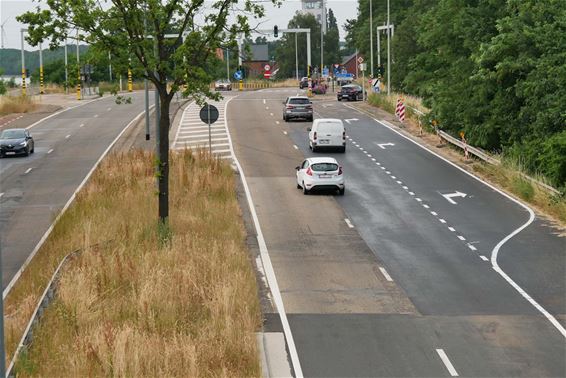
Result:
pixel 494 69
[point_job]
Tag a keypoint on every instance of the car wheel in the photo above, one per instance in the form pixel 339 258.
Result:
pixel 33 149
pixel 341 191
pixel 313 148
pixel 305 190
pixel 299 186
pixel 338 98
pixel 343 149
pixel 27 151
pixel 311 118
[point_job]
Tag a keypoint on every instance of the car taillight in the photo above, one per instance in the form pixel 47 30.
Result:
pixel 343 135
pixel 290 107
pixel 309 171
pixel 339 171
pixel 314 135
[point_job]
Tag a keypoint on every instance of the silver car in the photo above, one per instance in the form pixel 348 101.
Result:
pixel 297 107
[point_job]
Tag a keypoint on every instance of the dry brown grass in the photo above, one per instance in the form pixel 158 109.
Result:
pixel 131 308
pixel 19 104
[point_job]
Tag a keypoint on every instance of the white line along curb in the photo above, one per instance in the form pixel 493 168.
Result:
pixel 69 202
pixel 495 250
pixel 265 259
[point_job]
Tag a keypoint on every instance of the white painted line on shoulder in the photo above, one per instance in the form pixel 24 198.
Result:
pixel 447 362
pixel 348 222
pixel 472 247
pixel 96 116
pixel 385 274
pixel 27 171
pixel 484 258
pixel 50 151
pixel 452 229
pixel 295 147
pixel 426 206
pixel 264 100
pixel 411 193
pixel 406 187
pixel 67 136
pixel 271 114
pixel 268 267
pixel 81 125
pixel 442 220
pixel 434 213
pixel 461 238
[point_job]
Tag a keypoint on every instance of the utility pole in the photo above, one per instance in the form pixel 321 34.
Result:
pixel 322 27
pixel 296 58
pixel 110 66
pixel 66 69
pixel 388 52
pixel 228 64
pixel 40 69
pixel 371 36
pixel 2 347
pixel 79 92
pixel 23 65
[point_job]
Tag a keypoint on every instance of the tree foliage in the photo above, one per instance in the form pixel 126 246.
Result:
pixel 494 69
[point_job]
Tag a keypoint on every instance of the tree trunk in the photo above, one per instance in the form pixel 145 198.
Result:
pixel 163 157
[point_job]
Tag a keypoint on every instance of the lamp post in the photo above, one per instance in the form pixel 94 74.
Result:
pixel 388 52
pixel 23 65
pixel 296 59
pixel 41 87
pixel 79 92
pixel 322 28
pixel 66 69
pixel 371 36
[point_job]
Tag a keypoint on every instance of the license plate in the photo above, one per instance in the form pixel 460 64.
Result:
pixel 344 96
pixel 324 176
pixel 10 153
pixel 322 141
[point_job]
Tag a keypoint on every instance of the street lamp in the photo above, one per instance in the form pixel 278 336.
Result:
pixel 371 36
pixel 388 51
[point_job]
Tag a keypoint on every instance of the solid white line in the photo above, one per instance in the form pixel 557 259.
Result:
pixel 495 251
pixel 372 159
pixel 268 267
pixel 27 171
pixel 50 151
pixel 484 258
pixel 67 136
pixel 295 147
pixel 277 122
pixel 271 114
pixel 284 132
pixel 447 362
pixel 81 125
pixel 69 202
pixel 461 238
pixel 452 229
pixel 385 274
pixel 472 247
pixel 264 100
pixel 348 222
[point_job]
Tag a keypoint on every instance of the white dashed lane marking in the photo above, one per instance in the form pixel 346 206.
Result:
pixel 348 222
pixel 385 274
pixel 50 151
pixel 27 171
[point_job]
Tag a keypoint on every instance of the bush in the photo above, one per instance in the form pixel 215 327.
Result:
pixel 523 188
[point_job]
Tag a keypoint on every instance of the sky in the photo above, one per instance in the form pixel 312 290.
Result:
pixel 343 10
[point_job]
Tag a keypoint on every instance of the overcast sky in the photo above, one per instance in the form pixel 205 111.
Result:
pixel 343 10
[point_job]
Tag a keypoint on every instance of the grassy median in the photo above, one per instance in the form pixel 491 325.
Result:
pixel 128 307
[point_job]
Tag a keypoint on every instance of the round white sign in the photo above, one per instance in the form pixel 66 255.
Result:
pixel 267 67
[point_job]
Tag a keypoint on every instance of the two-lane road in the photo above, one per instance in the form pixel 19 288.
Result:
pixel 393 279
pixel 34 189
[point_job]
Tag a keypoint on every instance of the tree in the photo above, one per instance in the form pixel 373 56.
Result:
pixel 136 30
pixel 332 41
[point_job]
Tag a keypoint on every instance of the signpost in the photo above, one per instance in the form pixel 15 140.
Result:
pixel 267 71
pixel 209 114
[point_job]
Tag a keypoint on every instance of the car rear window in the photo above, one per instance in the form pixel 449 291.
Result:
pixel 324 167
pixel 330 127
pixel 299 101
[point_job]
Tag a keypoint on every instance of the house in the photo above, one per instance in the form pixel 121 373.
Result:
pixel 350 63
pixel 256 60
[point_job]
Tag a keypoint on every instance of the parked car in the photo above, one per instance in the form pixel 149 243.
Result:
pixel 304 83
pixel 223 85
pixel 16 142
pixel 327 133
pixel 320 173
pixel 350 92
pixel 297 107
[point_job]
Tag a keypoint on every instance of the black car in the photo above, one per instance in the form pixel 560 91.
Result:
pixel 304 83
pixel 350 92
pixel 16 142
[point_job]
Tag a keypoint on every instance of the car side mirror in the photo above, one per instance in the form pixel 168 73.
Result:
pixel 310 102
pixel 309 129
pixel 297 167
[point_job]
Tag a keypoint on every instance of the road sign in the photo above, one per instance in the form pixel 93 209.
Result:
pixel 267 75
pixel 363 66
pixel 209 114
pixel 336 65
pixel 325 72
pixel 238 75
pixel 360 60
pixel 267 67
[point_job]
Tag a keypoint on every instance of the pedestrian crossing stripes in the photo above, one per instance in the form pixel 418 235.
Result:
pixel 194 134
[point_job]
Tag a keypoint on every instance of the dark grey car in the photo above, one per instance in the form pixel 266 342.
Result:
pixel 297 107
pixel 16 142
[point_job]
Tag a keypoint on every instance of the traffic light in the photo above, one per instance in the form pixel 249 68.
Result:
pixel 275 31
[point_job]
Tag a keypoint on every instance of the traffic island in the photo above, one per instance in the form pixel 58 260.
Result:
pixel 127 305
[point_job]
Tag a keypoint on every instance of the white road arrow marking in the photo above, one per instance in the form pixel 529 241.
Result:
pixel 382 145
pixel 350 120
pixel 449 196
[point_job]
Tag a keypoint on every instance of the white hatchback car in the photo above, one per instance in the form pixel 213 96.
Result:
pixel 320 173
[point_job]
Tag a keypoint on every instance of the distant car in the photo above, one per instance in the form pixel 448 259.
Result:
pixel 320 173
pixel 16 142
pixel 327 133
pixel 304 83
pixel 350 92
pixel 297 107
pixel 223 85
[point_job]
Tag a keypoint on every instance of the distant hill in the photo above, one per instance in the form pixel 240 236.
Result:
pixel 11 61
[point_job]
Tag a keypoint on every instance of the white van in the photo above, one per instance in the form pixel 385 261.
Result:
pixel 327 133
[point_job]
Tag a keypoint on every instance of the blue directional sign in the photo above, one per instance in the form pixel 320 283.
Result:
pixel 238 75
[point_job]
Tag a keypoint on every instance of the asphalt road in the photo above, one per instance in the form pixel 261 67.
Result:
pixel 410 289
pixel 34 189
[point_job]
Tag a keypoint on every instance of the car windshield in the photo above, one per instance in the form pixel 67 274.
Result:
pixel 324 167
pixel 298 101
pixel 330 127
pixel 13 134
pixel 351 87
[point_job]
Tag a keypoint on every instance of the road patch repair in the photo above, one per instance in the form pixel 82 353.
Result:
pixel 128 304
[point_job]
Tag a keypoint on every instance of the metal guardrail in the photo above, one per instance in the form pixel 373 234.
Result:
pixel 485 156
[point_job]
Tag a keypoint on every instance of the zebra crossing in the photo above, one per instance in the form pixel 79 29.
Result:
pixel 193 133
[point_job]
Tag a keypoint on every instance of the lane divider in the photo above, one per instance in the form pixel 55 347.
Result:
pixel 447 363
